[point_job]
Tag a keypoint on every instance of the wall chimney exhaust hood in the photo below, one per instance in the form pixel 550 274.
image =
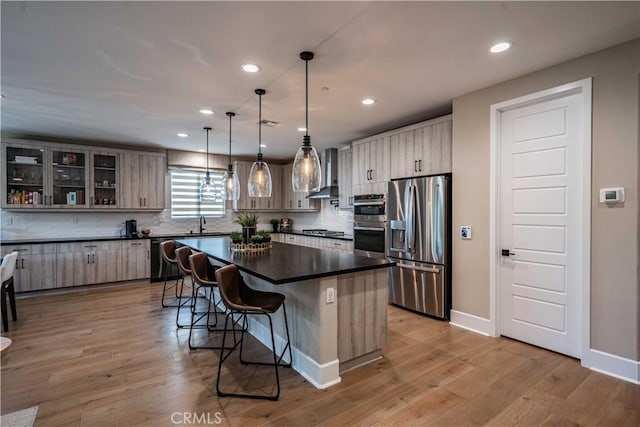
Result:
pixel 330 178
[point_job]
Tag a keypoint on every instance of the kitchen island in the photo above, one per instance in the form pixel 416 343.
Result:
pixel 326 337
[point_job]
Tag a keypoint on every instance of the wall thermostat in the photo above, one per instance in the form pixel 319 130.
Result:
pixel 612 195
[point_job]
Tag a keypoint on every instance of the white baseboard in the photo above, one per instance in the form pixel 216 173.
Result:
pixel 473 323
pixel 319 375
pixel 612 365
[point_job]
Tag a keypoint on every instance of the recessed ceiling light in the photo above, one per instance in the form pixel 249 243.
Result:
pixel 368 101
pixel 207 112
pixel 201 150
pixel 251 68
pixel 263 145
pixel 500 47
pixel 182 135
pixel 302 129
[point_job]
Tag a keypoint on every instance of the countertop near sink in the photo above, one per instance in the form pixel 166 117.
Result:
pixel 347 237
pixel 35 240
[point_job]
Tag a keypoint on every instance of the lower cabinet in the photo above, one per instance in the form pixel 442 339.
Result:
pixel 135 259
pixel 337 245
pixel 86 263
pixel 35 266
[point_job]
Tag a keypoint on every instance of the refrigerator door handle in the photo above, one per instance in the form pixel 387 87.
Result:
pixel 425 269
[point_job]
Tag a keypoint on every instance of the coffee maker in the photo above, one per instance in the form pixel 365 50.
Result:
pixel 131 228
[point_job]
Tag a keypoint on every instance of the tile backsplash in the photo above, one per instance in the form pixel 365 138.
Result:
pixel 17 225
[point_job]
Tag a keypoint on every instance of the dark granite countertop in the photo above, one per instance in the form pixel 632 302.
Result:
pixel 286 263
pixel 35 241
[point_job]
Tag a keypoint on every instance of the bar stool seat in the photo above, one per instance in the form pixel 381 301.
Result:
pixel 169 261
pixel 245 301
pixel 203 275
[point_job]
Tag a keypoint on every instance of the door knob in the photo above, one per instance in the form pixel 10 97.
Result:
pixel 506 252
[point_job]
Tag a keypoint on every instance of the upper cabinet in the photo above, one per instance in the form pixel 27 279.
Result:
pixel 283 198
pixel 423 149
pixel 38 176
pixel 41 175
pixel 143 176
pixel 345 179
pixel 371 165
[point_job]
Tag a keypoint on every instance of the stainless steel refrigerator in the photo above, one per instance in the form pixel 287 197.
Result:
pixel 419 241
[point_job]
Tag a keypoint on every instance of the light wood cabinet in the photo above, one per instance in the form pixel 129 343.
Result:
pixel 86 263
pixel 35 266
pixel 337 245
pixel 296 201
pixel 135 259
pixel 142 177
pixel 246 203
pixel 46 175
pixel 38 176
pixel 423 150
pixel 345 179
pixel 371 165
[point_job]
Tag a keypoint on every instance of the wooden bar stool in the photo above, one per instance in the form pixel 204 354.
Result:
pixel 241 299
pixel 6 273
pixel 169 261
pixel 203 274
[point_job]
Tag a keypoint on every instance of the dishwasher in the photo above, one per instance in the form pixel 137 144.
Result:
pixel 156 263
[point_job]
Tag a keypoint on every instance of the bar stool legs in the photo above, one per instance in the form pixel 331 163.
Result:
pixel 277 358
pixel 197 316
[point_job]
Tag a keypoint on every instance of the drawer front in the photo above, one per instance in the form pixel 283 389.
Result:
pixel 89 246
pixel 45 248
pixel 137 244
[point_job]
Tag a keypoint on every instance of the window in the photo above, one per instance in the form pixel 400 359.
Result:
pixel 185 186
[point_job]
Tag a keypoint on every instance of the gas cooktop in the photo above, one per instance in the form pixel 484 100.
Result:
pixel 322 232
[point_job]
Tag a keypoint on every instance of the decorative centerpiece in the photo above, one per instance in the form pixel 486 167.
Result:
pixel 249 240
pixel 248 223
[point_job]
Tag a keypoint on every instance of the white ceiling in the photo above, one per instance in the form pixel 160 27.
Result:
pixel 139 72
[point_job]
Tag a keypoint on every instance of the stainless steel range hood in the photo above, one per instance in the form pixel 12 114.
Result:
pixel 330 176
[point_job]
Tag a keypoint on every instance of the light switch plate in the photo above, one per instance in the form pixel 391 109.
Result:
pixel 465 232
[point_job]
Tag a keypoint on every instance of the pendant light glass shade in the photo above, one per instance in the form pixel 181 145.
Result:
pixel 259 184
pixel 230 179
pixel 207 187
pixel 306 174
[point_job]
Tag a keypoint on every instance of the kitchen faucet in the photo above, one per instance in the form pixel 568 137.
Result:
pixel 202 222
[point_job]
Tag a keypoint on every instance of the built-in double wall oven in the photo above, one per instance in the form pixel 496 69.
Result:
pixel 369 225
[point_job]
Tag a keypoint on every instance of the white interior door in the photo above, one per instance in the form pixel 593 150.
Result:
pixel 541 215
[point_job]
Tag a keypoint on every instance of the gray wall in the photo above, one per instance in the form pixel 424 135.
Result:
pixel 615 238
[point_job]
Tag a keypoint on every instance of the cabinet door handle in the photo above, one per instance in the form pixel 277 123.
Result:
pixel 88 259
pixel 137 244
pixel 93 258
pixel 51 200
pixel 299 203
pixel 415 166
pixel 139 201
pixel 145 202
pixel 90 246
pixel 419 165
pixel 22 266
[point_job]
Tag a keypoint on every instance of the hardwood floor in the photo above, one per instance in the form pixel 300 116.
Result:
pixel 113 357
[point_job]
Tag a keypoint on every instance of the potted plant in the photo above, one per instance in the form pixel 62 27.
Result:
pixel 264 235
pixel 236 237
pixel 248 222
pixel 256 238
pixel 274 223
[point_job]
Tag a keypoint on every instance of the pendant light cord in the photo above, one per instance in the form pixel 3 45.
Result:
pixel 230 139
pixel 260 123
pixel 306 97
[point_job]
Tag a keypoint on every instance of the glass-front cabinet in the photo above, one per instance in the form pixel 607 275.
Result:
pixel 43 177
pixel 24 176
pixel 68 178
pixel 104 174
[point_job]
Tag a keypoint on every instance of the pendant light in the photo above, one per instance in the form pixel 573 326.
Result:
pixel 230 179
pixel 207 186
pixel 306 174
pixel 259 184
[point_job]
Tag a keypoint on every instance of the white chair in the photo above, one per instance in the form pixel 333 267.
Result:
pixel 6 273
